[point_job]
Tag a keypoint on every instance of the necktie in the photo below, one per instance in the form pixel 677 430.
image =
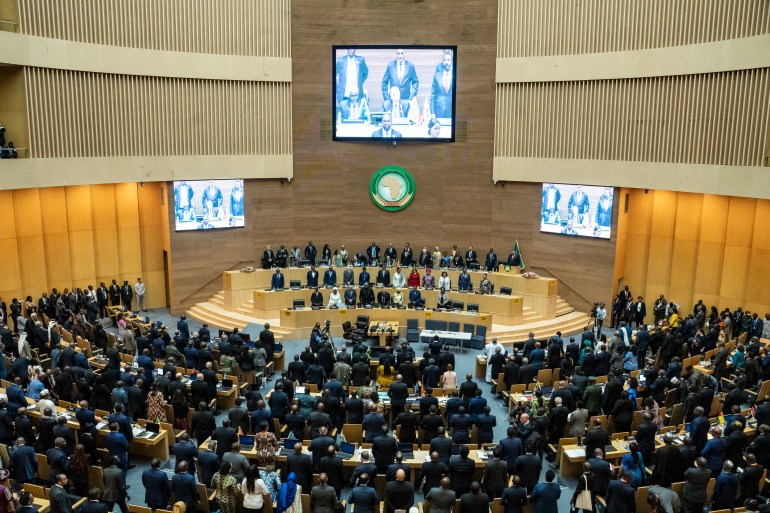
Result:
pixel 446 82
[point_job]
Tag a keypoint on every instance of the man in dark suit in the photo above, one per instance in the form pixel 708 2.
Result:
pixel 61 501
pixel 399 494
pixel 495 474
pixel 545 495
pixel 399 464
pixel 157 488
pixel 366 467
pixel 351 73
pixel 384 450
pixel 93 504
pixel 225 436
pixel 301 465
pixel 668 466
pixel 751 478
pixel 621 497
pixel 23 462
pixel 185 451
pixel 514 497
pixel 528 467
pixel 699 429
pixel 442 498
pixel 323 499
pixel 431 473
pixel 400 74
pixel 331 465
pixel 114 293
pixel 512 448
pixel 407 253
pixel 696 482
pixel 117 445
pixel 277 281
pixel 364 497
pixel 114 486
pixel 209 462
pixel 386 131
pixel 442 88
pixel 474 501
pixel 203 423
pixel 596 438
pixel 442 445
pixel 184 487
pixel 312 277
pixel 600 469
pixel 462 469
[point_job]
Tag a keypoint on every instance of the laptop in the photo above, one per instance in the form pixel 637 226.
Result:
pixel 288 446
pixel 347 451
pixel 608 449
pixel 227 384
pixel 407 450
pixel 152 427
pixel 247 442
pixel 300 390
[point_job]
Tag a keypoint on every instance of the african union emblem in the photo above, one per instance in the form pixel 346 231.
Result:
pixel 392 188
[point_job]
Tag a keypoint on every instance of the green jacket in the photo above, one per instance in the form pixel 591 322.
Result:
pixel 592 397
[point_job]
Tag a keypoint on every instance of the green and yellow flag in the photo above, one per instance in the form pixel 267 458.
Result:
pixel 521 257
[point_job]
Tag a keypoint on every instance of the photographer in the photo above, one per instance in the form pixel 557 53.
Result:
pixel 599 313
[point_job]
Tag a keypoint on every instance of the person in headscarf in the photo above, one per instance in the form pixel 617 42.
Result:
pixel 288 499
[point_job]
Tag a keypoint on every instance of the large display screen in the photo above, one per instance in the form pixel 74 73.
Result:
pixel 208 204
pixel 394 92
pixel 577 210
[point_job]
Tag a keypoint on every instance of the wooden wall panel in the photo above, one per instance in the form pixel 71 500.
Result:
pixel 69 237
pixel 566 27
pixel 233 27
pixel 716 118
pixel 80 114
pixel 709 249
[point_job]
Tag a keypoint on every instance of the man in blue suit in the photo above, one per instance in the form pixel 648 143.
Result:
pixel 415 298
pixel 312 277
pixel 184 451
pixel 16 398
pixel 157 488
pixel 23 462
pixel 351 73
pixel 183 327
pixel 545 496
pixel 277 282
pixel 699 429
pixel 209 462
pixel 117 445
pixel 400 74
pixel 123 422
pixel 442 89
pixel 184 487
pixel 84 415
pixel 511 445
pixel 330 277
pixel 364 496
pixel 363 277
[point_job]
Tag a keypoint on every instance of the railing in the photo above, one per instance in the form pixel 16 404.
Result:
pixel 232 267
pixel 561 281
pixel 9 25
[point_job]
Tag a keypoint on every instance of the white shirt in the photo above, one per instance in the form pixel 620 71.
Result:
pixel 351 77
pixel 335 299
pixel 445 282
pixel 139 289
pixel 398 280
pixel 253 500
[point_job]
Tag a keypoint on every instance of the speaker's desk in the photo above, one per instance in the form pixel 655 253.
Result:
pixel 505 309
pixel 306 317
pixel 539 293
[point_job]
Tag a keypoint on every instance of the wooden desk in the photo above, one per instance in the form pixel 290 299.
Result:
pixel 481 367
pixel 383 330
pixel 44 505
pixel 306 318
pixel 279 360
pixel 539 294
pixel 572 465
pixel 506 309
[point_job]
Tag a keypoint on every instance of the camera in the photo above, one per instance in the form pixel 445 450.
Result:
pixel 593 310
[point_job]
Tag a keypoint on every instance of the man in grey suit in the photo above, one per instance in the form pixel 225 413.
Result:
pixel 239 463
pixel 442 88
pixel 696 482
pixel 114 486
pixel 442 498
pixel 322 497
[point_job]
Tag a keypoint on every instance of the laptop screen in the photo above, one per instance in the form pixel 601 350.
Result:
pixel 347 448
pixel 246 440
pixel 405 447
pixel 152 427
pixel 227 383
pixel 289 444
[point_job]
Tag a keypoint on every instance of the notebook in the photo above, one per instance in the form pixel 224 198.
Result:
pixel 247 442
pixel 347 451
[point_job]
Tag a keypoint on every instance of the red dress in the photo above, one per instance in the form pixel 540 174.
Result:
pixel 414 279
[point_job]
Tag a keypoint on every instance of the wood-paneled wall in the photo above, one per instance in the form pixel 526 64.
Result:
pixel 67 237
pixel 78 114
pixel 328 199
pixel 718 118
pixel 567 27
pixel 696 246
pixel 233 27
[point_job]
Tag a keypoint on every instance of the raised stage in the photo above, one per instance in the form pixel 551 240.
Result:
pixel 533 305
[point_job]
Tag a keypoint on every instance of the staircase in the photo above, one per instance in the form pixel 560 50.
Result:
pixel 213 313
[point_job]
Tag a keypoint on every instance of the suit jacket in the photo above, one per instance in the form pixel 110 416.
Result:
pixel 323 499
pixel 528 467
pixel 621 498
pixel 157 488
pixel 511 451
pixel 61 502
pixel 332 467
pixel 93 507
pixel 342 74
pixel 23 463
pixel 440 98
pixel 474 503
pixel 114 485
pixel 379 134
pixel 407 85
pixel 696 481
pixel 544 497
pixel 699 431
pixel 302 467
pixel 210 463
pixel 462 470
pixel 514 499
pixel 398 495
pixel 600 469
pixel 596 438
pixel 495 477
pixel 185 489
pixel 441 500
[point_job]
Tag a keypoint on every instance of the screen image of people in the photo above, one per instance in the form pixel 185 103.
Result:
pixel 208 204
pixel 577 210
pixel 394 93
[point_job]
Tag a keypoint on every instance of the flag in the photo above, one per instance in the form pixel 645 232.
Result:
pixel 518 252
pixel 365 109
pixel 426 116
pixel 414 111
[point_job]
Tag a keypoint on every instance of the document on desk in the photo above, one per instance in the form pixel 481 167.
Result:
pixel 575 453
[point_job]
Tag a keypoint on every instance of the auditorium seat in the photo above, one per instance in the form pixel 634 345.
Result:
pixel 479 340
pixel 412 331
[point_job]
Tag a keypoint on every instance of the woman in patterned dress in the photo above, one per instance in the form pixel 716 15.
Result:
pixel 181 409
pixel 265 444
pixel 156 405
pixel 226 487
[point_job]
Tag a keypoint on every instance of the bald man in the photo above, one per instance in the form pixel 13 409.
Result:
pixel 399 494
pixel 442 498
pixel 322 497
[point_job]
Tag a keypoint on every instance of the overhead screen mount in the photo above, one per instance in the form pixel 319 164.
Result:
pixel 394 93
